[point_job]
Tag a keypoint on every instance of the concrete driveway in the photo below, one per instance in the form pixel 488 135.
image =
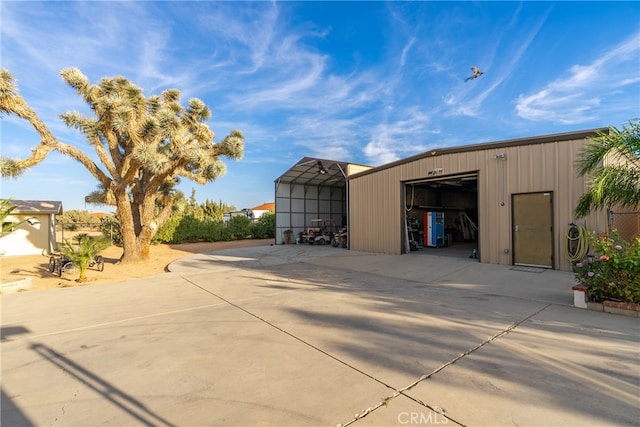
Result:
pixel 318 336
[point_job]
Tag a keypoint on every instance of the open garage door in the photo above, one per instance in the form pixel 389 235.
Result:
pixel 312 191
pixel 441 214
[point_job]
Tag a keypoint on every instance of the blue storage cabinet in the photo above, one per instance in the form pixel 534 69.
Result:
pixel 434 229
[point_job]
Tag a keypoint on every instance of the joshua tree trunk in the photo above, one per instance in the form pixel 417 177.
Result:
pixel 136 237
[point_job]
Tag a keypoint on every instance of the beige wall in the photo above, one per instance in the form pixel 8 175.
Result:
pixel 376 199
pixel 29 239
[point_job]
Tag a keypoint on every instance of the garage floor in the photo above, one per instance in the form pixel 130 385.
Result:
pixel 455 250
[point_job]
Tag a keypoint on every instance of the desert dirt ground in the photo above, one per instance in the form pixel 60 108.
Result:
pixel 36 267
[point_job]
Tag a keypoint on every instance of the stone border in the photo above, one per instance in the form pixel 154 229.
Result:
pixel 611 307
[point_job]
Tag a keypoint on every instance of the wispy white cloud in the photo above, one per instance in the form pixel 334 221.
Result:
pixel 101 39
pixel 394 139
pixel 405 51
pixel 573 99
pixel 469 102
pixel 248 60
pixel 242 37
pixel 287 90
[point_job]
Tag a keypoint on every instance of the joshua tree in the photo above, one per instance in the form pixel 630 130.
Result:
pixel 144 145
pixel 611 184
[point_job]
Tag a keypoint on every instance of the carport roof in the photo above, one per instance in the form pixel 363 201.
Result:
pixel 307 171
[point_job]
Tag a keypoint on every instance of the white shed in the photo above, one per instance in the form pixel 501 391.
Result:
pixel 37 234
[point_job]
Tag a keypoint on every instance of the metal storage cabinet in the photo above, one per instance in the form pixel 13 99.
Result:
pixel 434 229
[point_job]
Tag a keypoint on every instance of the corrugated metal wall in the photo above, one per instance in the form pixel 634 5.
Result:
pixel 298 205
pixel 376 199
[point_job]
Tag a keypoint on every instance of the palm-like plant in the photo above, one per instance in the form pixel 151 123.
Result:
pixel 84 252
pixel 6 207
pixel 616 184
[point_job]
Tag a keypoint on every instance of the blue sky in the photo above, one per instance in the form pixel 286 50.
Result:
pixel 363 82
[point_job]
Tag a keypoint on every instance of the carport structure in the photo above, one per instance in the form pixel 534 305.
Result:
pixel 312 189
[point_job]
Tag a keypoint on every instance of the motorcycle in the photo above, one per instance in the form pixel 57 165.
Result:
pixel 340 239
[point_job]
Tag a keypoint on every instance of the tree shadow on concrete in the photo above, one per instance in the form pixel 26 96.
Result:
pixel 392 329
pixel 127 403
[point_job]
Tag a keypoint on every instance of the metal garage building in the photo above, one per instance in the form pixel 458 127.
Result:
pixel 312 189
pixel 508 202
pixel 511 200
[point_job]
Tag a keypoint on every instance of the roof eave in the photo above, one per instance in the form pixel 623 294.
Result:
pixel 568 136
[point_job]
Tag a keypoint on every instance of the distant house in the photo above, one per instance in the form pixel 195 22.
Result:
pixel 253 214
pixel 244 212
pixel 35 236
pixel 262 209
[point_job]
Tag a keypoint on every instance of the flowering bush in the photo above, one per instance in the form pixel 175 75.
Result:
pixel 614 272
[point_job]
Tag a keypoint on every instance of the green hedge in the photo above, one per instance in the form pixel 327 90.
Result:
pixel 265 226
pixel 179 229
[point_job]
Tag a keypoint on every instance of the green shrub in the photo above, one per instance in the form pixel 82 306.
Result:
pixel 179 229
pixel 70 226
pixel 166 232
pixel 215 231
pixel 110 228
pixel 265 227
pixel 614 273
pixel 239 226
pixel 80 218
pixel 81 236
pixel 188 230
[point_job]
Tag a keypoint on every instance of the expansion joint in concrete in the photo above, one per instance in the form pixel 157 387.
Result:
pixel 442 411
pixel 397 392
pixel 295 337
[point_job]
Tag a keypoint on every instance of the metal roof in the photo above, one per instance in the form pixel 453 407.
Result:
pixel 36 206
pixel 558 137
pixel 316 172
